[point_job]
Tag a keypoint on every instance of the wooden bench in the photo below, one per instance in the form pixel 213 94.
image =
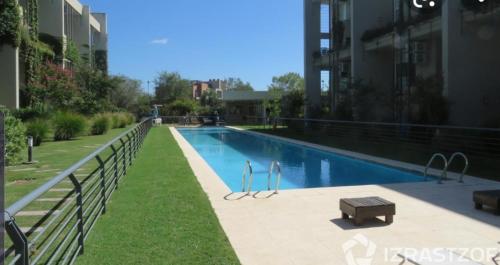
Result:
pixel 367 208
pixel 490 198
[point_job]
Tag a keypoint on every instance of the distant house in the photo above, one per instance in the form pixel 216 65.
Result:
pixel 199 87
pixel 218 86
pixel 245 105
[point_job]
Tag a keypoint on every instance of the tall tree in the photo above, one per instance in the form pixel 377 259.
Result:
pixel 171 86
pixel 126 93
pixel 287 82
pixel 236 84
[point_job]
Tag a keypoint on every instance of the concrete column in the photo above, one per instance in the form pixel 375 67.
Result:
pixel 312 44
pixel 82 34
pixel 9 76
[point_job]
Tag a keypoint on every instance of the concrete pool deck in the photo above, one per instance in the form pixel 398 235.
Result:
pixel 305 226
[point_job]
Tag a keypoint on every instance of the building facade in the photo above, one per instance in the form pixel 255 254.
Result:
pixel 60 22
pixel 218 86
pixel 407 51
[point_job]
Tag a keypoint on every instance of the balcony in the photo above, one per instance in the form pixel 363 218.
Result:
pixel 384 37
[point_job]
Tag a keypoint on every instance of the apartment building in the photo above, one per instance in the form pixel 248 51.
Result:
pixel 390 44
pixel 218 86
pixel 60 21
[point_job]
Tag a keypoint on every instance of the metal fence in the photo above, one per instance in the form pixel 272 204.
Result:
pixel 51 224
pixel 482 142
pixel 414 143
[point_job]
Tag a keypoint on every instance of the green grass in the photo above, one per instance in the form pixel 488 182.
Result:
pixel 159 215
pixel 52 158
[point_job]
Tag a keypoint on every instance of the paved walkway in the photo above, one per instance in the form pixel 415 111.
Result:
pixel 305 226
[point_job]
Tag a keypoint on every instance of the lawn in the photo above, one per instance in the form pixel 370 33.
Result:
pixel 52 157
pixel 159 215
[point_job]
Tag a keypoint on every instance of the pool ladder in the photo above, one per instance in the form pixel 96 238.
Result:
pixel 274 170
pixel 447 164
pixel 274 167
pixel 247 171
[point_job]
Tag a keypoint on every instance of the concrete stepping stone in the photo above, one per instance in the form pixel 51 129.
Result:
pixel 51 199
pixel 46 170
pixel 23 169
pixel 61 190
pixel 36 213
pixel 27 229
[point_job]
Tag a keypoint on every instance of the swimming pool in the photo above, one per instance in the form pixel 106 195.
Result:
pixel 226 151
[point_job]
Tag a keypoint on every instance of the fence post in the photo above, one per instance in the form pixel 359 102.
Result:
pixel 79 204
pixel 115 164
pixel 129 149
pixel 134 143
pixel 124 147
pixel 19 240
pixel 103 183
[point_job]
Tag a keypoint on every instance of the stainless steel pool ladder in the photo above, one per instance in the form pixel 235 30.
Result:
pixel 247 171
pixel 274 167
pixel 466 167
pixel 447 164
pixel 445 168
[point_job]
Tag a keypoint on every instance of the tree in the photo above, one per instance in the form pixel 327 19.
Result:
pixel 211 104
pixel 126 93
pixel 427 101
pixel 293 103
pixel 287 82
pixel 181 107
pixel 171 86
pixel 236 84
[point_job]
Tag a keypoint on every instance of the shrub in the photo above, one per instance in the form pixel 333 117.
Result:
pixel 68 125
pixel 130 118
pixel 122 120
pixel 15 132
pixel 100 124
pixel 38 129
pixel 115 120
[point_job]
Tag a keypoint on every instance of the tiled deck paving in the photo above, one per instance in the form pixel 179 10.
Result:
pixel 305 226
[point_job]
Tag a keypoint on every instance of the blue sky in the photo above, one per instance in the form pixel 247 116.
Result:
pixel 202 39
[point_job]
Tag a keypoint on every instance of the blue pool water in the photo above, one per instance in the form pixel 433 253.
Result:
pixel 226 151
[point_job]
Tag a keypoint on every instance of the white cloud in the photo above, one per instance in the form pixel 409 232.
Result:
pixel 160 41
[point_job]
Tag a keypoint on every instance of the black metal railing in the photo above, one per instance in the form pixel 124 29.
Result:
pixel 50 224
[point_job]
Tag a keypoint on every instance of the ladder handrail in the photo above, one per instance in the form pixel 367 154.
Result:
pixel 274 164
pixel 444 174
pixel 247 170
pixel 466 160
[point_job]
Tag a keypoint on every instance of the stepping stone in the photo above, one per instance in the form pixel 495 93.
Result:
pixel 61 190
pixel 23 169
pixel 27 229
pixel 36 213
pixel 51 199
pixel 46 170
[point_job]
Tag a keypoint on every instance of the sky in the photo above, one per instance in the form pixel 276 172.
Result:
pixel 204 39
